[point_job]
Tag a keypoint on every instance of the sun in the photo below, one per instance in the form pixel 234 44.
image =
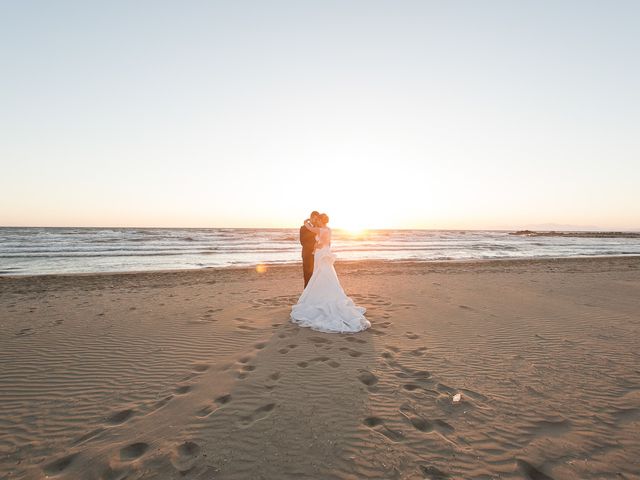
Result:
pixel 352 223
pixel 355 231
pixel 354 227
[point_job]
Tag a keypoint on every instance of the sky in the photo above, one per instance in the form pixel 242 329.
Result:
pixel 384 114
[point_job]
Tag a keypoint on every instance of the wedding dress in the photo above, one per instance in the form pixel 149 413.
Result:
pixel 323 305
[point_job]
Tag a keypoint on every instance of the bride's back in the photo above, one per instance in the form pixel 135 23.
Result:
pixel 324 238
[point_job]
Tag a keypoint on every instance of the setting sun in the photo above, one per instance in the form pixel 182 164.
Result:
pixel 352 225
pixel 354 231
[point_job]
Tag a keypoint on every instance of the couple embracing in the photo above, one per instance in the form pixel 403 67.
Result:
pixel 323 305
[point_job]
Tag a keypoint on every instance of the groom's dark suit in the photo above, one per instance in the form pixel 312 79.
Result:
pixel 308 242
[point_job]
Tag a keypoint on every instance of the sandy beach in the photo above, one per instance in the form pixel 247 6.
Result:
pixel 200 374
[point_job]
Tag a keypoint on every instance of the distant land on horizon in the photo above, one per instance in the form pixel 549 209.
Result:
pixel 567 227
pixel 558 227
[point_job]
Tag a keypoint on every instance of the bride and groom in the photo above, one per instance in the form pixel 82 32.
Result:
pixel 323 305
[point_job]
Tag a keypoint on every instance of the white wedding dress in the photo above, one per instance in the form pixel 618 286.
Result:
pixel 323 305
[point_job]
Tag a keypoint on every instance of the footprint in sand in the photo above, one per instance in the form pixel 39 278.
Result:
pixel 182 389
pixel 422 376
pixel 185 456
pixel 372 422
pixel 410 387
pixel 531 472
pixel 246 327
pixel 205 411
pixel 58 466
pixel 189 376
pixel 320 340
pixel 258 414
pixel 367 378
pixel 371 299
pixel 120 417
pixel 274 377
pixel 624 416
pixel 442 426
pixel 351 352
pixel 387 355
pixel 417 421
pixel 355 340
pixel 161 403
pixel 418 352
pixel 412 336
pixel 133 451
pixel 274 302
pixel 223 399
pixel 441 387
pixel 209 409
pixel 420 423
pixel 312 361
pixel 110 473
pixel 200 367
pixel 377 425
pixel 475 395
pixel 433 473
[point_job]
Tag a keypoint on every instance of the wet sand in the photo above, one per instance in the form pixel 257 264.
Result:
pixel 200 375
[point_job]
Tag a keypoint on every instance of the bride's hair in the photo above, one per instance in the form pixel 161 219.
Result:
pixel 324 217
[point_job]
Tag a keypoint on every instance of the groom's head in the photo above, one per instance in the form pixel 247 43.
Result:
pixel 314 216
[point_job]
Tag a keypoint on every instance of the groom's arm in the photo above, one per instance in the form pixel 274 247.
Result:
pixel 309 226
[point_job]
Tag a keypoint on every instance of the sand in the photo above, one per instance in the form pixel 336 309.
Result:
pixel 200 375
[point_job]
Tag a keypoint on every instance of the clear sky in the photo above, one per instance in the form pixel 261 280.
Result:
pixel 418 114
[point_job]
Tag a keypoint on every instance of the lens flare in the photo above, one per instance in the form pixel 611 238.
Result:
pixel 261 268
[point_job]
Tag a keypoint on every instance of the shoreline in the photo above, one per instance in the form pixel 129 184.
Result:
pixel 339 264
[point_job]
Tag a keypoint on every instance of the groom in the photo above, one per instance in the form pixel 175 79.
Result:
pixel 308 242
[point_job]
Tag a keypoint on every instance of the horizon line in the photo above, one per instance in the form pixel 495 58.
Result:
pixel 494 229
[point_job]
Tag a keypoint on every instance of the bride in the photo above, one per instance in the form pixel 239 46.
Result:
pixel 323 305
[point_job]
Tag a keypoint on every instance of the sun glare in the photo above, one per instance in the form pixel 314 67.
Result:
pixel 352 225
pixel 355 231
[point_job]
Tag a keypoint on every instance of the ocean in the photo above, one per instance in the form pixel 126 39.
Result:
pixel 34 251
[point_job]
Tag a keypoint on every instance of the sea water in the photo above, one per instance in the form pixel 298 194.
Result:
pixel 28 251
